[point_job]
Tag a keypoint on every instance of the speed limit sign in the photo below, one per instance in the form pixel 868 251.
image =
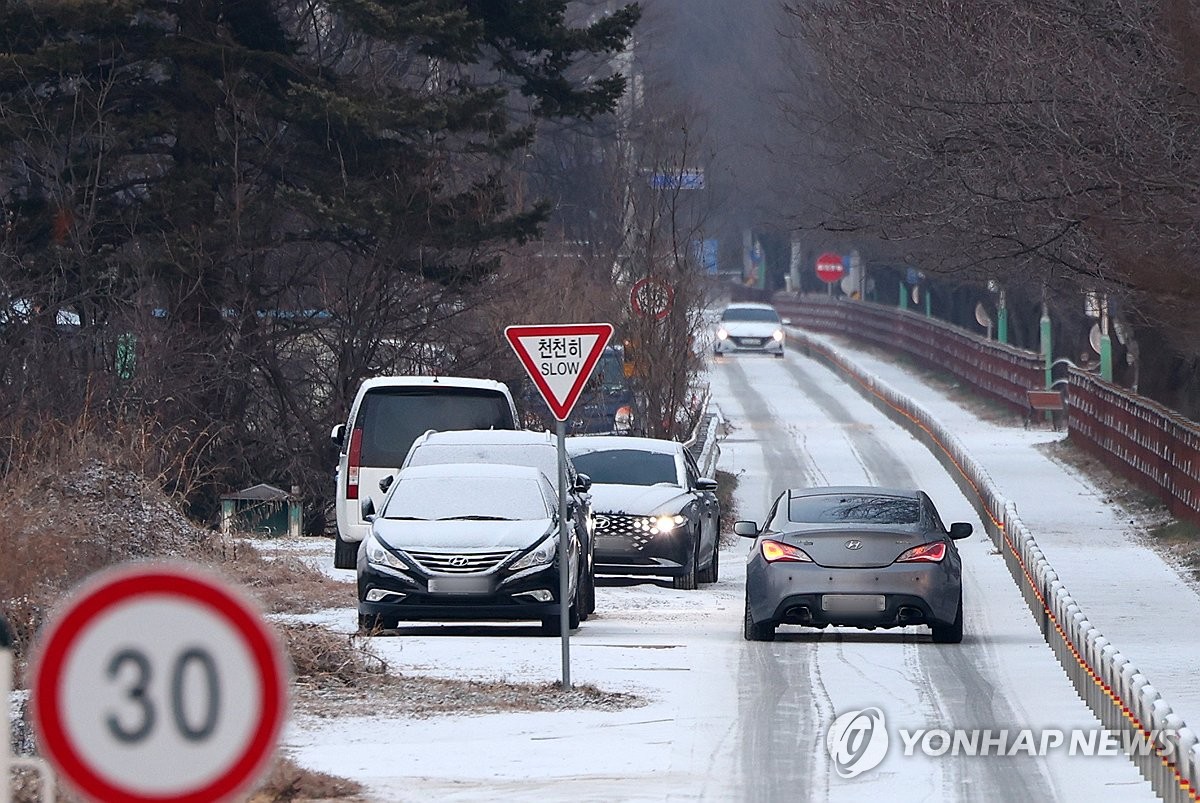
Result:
pixel 158 682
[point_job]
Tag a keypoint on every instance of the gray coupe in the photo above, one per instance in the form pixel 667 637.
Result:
pixel 857 556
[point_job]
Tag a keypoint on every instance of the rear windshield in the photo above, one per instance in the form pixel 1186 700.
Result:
pixel 840 509
pixel 543 457
pixel 392 418
pixel 493 498
pixel 627 467
pixel 750 314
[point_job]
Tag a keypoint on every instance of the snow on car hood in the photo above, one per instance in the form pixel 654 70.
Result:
pixel 638 500
pixel 460 535
pixel 751 328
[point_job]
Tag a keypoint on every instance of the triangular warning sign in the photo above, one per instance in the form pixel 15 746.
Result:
pixel 559 359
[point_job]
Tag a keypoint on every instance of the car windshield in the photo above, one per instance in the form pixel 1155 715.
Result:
pixel 850 508
pixel 750 314
pixel 543 457
pixel 441 498
pixel 627 467
pixel 392 418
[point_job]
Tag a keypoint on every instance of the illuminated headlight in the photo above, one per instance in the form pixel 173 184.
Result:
pixel 541 555
pixel 664 524
pixel 778 335
pixel 380 555
pixel 722 334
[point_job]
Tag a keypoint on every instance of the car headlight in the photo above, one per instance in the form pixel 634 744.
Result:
pixel 722 334
pixel 541 555
pixel 664 524
pixel 778 335
pixel 380 555
pixel 623 420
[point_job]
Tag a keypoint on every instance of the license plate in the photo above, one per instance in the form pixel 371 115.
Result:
pixel 751 341
pixel 460 585
pixel 853 603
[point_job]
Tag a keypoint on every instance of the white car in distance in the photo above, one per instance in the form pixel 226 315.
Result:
pixel 753 328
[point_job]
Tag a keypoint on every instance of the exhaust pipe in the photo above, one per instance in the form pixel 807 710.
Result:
pixel 798 614
pixel 909 615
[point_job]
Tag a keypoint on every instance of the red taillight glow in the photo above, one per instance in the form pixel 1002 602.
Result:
pixel 352 461
pixel 775 551
pixel 925 553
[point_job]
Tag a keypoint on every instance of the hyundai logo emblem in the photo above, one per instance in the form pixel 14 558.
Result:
pixel 602 522
pixel 854 543
pixel 459 561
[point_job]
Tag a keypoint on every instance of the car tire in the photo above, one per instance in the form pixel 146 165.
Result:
pixel 345 553
pixel 687 580
pixel 370 624
pixel 779 355
pixel 951 633
pixel 589 597
pixel 551 625
pixel 756 632
pixel 713 572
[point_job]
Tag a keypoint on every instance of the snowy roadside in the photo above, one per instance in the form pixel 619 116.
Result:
pixel 1134 595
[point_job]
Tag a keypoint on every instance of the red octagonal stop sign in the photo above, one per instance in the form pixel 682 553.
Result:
pixel 830 267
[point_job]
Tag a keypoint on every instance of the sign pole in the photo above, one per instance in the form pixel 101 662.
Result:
pixel 564 567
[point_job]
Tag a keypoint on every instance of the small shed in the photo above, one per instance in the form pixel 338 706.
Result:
pixel 262 509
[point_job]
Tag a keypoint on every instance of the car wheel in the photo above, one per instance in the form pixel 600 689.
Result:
pixel 345 553
pixel 589 597
pixel 713 572
pixel 952 633
pixel 687 580
pixel 369 624
pixel 551 625
pixel 779 355
pixel 756 632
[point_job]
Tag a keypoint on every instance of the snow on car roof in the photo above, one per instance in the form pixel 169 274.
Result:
pixel 470 471
pixel 489 436
pixel 434 382
pixel 861 490
pixel 749 305
pixel 582 444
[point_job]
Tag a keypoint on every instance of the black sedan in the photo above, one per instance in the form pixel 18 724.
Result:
pixel 856 556
pixel 655 514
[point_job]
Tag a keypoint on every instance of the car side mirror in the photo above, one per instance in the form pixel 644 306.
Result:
pixel 337 435
pixel 583 483
pixel 746 529
pixel 786 321
pixel 706 484
pixel 386 482
pixel 367 506
pixel 961 529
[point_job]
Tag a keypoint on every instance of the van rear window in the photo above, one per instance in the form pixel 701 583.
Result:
pixel 392 418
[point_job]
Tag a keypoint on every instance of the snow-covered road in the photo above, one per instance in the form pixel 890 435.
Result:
pixel 728 719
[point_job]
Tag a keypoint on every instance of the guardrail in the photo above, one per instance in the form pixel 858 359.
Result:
pixel 1149 444
pixel 703 442
pixel 1110 684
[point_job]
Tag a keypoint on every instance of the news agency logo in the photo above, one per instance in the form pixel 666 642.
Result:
pixel 857 741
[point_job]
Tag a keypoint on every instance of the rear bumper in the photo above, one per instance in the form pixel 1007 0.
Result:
pixel 795 593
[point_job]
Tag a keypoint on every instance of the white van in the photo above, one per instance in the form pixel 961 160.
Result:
pixel 388 414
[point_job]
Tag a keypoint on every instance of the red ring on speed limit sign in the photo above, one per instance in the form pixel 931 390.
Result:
pixel 153 594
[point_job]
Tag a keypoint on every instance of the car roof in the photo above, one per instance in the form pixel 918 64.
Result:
pixel 434 382
pixel 863 490
pixel 593 443
pixel 749 305
pixel 470 471
pixel 488 437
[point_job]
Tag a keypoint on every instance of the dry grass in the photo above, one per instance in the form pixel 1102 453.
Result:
pixel 727 484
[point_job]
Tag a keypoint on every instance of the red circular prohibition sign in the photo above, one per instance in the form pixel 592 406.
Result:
pixel 123 586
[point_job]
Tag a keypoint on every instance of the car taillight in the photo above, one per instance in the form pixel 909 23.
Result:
pixel 775 551
pixel 352 461
pixel 925 553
